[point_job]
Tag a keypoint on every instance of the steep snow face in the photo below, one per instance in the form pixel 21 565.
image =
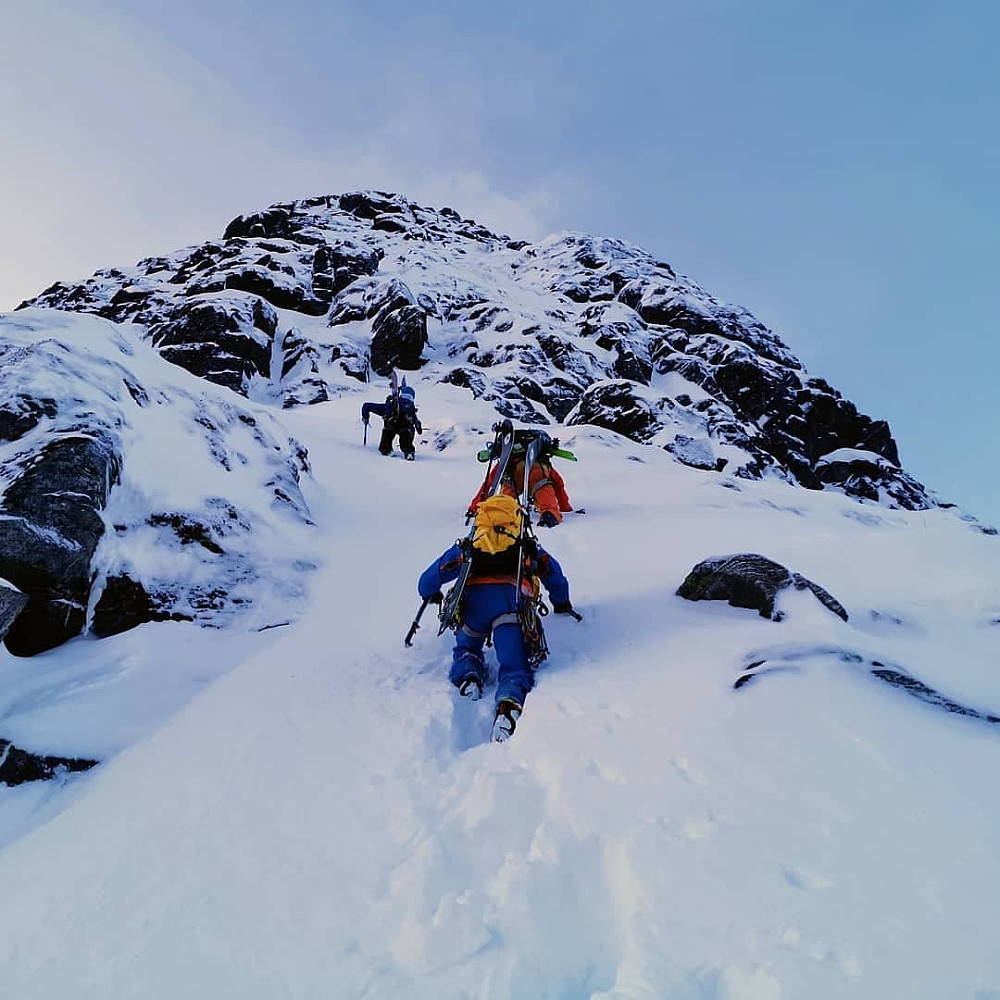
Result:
pixel 328 819
pixel 133 491
pixel 576 329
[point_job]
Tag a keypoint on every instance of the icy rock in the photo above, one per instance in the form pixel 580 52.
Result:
pixel 273 222
pixel 18 766
pixel 695 452
pixel 398 339
pixel 225 339
pixel 21 414
pixel 387 297
pixel 50 525
pixel 125 603
pixel 12 602
pixel 616 406
pixel 370 204
pixel 336 267
pixel 278 289
pixel 750 581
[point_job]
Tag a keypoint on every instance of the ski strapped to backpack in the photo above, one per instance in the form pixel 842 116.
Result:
pixel 530 610
pixel 550 447
pixel 503 446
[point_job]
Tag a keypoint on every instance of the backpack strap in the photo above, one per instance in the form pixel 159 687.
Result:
pixel 541 484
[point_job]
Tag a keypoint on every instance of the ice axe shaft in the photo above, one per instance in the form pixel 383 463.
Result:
pixel 408 641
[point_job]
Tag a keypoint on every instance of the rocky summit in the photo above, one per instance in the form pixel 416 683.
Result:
pixel 575 329
pixel 304 301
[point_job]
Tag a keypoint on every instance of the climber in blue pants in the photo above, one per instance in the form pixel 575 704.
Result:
pixel 489 605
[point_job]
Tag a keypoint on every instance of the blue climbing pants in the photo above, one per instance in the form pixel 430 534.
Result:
pixel 483 604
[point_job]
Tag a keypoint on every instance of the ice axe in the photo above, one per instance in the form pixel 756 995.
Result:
pixel 408 641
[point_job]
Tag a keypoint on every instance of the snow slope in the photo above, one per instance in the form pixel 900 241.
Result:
pixel 310 812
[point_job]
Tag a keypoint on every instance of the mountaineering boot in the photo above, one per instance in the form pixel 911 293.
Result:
pixel 508 712
pixel 470 687
pixel 409 456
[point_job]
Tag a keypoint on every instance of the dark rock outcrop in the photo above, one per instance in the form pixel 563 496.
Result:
pixel 336 267
pixel 22 413
pixel 617 407
pixel 750 581
pixel 49 530
pixel 275 223
pixel 12 603
pixel 18 766
pixel 269 286
pixel 223 339
pixel 398 339
pixel 125 603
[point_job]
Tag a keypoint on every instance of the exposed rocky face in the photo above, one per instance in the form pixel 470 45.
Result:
pixel 132 491
pixel 576 329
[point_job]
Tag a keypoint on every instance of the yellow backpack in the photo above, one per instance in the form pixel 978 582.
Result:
pixel 497 524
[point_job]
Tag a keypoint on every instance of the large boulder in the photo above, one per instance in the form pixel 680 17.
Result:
pixel 371 204
pixel 336 267
pixel 274 286
pixel 387 297
pixel 696 452
pixel 50 525
pixel 273 222
pixel 225 339
pixel 398 339
pixel 748 580
pixel 618 406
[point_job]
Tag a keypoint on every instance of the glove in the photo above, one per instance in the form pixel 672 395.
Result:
pixel 562 608
pixel 436 598
pixel 420 427
pixel 548 519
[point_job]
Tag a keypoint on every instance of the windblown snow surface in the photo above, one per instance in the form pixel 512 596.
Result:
pixel 311 812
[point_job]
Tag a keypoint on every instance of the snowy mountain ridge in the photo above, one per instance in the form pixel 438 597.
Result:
pixel 701 802
pixel 574 329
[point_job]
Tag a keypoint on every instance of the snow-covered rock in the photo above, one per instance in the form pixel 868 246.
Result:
pixel 298 295
pixel 748 580
pixel 133 491
pixel 18 766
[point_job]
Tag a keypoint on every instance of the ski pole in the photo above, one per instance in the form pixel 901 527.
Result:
pixel 408 641
pixel 366 434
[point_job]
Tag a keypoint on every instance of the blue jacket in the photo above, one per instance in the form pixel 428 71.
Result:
pixel 403 415
pixel 447 567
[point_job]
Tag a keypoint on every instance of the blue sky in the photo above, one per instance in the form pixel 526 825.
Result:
pixel 833 167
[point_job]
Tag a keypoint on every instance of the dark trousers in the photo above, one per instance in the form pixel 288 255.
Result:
pixel 405 439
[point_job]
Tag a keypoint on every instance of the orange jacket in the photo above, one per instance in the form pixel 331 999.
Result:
pixel 545 487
